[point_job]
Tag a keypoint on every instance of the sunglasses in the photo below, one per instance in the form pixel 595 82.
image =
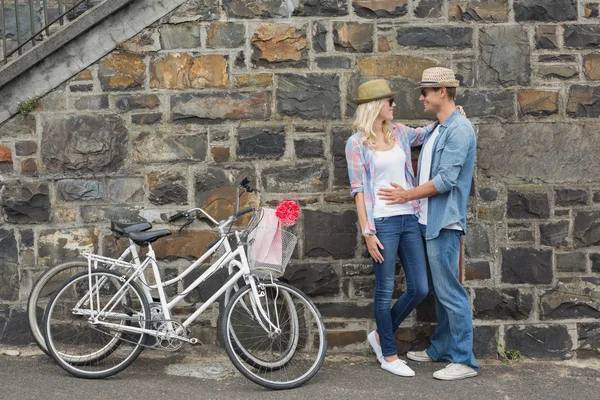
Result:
pixel 425 91
pixel 391 101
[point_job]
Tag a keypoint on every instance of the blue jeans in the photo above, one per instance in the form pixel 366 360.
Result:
pixel 452 340
pixel 399 235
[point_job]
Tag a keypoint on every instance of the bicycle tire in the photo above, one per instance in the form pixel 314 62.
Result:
pixel 311 331
pixel 95 361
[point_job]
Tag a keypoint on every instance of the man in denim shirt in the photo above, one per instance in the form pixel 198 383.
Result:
pixel 446 165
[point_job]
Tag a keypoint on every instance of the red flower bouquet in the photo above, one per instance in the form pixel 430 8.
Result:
pixel 288 212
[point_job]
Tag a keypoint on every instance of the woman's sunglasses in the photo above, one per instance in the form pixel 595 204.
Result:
pixel 391 101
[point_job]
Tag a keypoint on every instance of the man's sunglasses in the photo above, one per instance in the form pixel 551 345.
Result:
pixel 424 91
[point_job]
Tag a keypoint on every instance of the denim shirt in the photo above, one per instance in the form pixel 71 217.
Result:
pixel 360 166
pixel 452 165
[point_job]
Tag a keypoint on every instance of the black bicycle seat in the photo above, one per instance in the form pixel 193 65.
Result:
pixel 145 238
pixel 124 229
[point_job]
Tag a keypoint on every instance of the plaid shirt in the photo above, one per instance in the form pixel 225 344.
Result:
pixel 360 166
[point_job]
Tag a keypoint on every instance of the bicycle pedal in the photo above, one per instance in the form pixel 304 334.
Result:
pixel 195 342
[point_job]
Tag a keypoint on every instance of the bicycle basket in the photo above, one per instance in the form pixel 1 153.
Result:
pixel 270 249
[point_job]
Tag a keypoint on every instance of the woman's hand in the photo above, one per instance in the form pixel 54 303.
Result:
pixel 462 110
pixel 373 245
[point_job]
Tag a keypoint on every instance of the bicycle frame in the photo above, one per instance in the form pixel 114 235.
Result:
pixel 230 258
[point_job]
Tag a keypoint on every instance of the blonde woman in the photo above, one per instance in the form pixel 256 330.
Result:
pixel 378 156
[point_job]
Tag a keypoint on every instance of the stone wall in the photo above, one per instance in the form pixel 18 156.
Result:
pixel 220 90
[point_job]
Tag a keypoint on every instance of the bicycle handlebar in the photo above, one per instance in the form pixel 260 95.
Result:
pixel 243 211
pixel 178 216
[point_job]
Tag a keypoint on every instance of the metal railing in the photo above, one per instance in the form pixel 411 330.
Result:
pixel 42 19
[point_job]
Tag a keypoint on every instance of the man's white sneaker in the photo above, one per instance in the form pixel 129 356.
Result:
pixel 453 372
pixel 397 367
pixel 420 356
pixel 372 338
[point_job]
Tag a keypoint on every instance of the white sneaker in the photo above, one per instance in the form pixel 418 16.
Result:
pixel 420 356
pixel 397 367
pixel 372 338
pixel 453 372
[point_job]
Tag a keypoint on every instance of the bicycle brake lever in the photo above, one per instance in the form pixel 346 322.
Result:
pixel 189 221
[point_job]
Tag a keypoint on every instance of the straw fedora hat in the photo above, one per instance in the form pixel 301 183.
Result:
pixel 376 89
pixel 438 77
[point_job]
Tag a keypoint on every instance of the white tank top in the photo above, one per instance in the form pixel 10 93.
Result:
pixel 389 166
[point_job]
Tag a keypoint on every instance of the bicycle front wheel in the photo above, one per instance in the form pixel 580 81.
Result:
pixel 282 348
pixel 43 290
pixel 94 341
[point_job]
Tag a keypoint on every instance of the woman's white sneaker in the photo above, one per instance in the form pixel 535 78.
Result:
pixel 397 367
pixel 453 372
pixel 420 356
pixel 372 338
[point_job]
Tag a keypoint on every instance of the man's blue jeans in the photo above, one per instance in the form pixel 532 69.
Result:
pixel 452 340
pixel 400 235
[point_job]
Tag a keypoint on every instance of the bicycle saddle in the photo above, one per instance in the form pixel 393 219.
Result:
pixel 145 238
pixel 124 229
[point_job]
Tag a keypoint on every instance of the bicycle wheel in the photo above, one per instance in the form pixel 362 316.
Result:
pixel 94 350
pixel 43 290
pixel 282 360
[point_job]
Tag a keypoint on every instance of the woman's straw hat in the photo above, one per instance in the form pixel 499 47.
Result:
pixel 438 77
pixel 374 90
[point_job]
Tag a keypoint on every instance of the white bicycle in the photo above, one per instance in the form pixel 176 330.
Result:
pixel 99 321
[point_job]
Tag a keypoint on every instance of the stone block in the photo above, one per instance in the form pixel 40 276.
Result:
pixel 165 146
pixel 477 242
pixel 571 197
pixel 309 96
pixel 554 234
pixel 15 323
pixel 428 9
pixel 79 190
pixel 357 269
pixel 319 37
pixel 126 103
pixel 346 310
pixel 465 73
pixel 253 80
pixel 86 143
pixel 504 56
pixel 540 342
pixel 22 148
pixel 322 8
pixel 314 279
pixel 122 71
pixel 202 108
pixel 334 62
pixel 485 341
pixel 81 87
pixel 485 104
pixel 205 10
pixel 521 236
pixel 541 10
pixel 93 102
pixel 226 35
pixel 183 71
pixel 591 65
pixel 337 339
pixel 557 153
pixel 415 338
pixel 380 9
pixel 338 152
pixel 309 148
pixel 414 36
pixel 125 190
pixel 477 270
pixel 527 205
pixel 25 203
pixel 329 234
pixel 9 261
pixel 5 154
pixel 571 262
pixel 220 154
pixel 59 245
pixel 488 194
pixel 584 101
pixel 556 58
pixel 261 142
pixel 562 72
pixel 526 265
pixel 537 102
pixel 545 37
pixel 595 258
pixel 582 36
pixel 586 229
pixel 502 304
pixel 478 10
pixel 588 343
pixel 590 10
pixel 279 45
pixel 146 119
pixel 180 36
pixel 571 299
pixel 167 187
pixel 19 126
pixel 353 37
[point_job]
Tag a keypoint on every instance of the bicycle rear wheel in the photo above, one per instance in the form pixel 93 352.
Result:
pixel 283 360
pixel 43 290
pixel 94 350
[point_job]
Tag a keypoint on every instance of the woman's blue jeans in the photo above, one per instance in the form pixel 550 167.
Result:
pixel 452 340
pixel 400 235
